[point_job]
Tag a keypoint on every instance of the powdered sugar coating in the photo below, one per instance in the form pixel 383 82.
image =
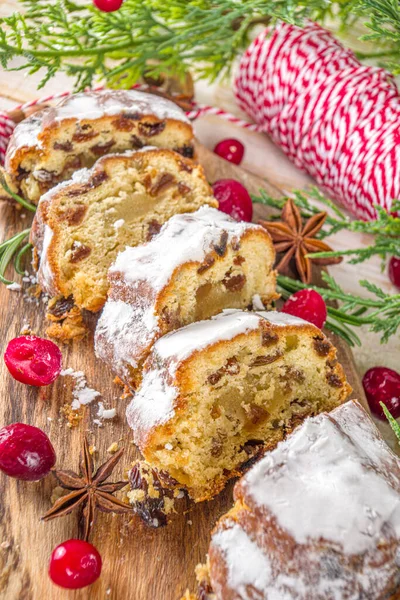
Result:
pixel 184 238
pixel 333 487
pixel 90 106
pixel 335 472
pixel 178 345
pixel 129 326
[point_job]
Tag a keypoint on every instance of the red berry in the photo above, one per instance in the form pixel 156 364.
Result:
pixel 108 5
pixel 25 452
pixel 233 199
pixel 231 150
pixel 308 305
pixel 382 385
pixel 74 564
pixel 394 270
pixel 33 360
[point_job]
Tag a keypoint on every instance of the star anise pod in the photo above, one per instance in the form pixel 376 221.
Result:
pixel 295 240
pixel 88 491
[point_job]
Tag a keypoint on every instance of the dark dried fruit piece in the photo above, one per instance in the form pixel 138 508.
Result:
pixel 60 306
pixel 136 142
pixel 185 166
pixel 207 264
pixel 74 215
pixel 154 228
pixel 234 283
pixel 239 260
pixel 322 346
pixel 151 129
pixel 183 188
pixel 334 380
pixel 162 184
pixel 123 123
pixel 65 146
pixel 266 360
pixel 101 149
pixel 232 367
pixel 79 252
pixel 186 151
pixel 269 338
pixel 220 248
pixel 256 413
pixel 83 136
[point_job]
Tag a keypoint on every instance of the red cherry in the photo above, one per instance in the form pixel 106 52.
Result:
pixel 233 199
pixel 308 305
pixel 74 564
pixel 108 5
pixel 394 270
pixel 231 150
pixel 382 385
pixel 33 360
pixel 25 452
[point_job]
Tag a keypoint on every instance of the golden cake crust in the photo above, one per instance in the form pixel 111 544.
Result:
pixel 144 187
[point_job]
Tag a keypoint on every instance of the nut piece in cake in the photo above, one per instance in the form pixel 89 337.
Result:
pixel 317 518
pixel 218 393
pixel 50 145
pixel 199 264
pixel 123 200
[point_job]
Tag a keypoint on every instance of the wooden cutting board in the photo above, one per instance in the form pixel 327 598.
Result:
pixel 138 563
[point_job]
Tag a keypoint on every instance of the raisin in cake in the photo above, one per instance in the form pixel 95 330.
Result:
pixel 50 145
pixel 216 393
pixel 199 264
pixel 123 200
pixel 318 518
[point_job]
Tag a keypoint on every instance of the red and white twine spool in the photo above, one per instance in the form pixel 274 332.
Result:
pixel 336 119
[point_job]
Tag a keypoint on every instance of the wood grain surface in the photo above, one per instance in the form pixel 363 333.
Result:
pixel 138 564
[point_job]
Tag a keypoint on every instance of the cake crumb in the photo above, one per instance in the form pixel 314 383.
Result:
pixel 168 446
pixel 189 522
pixel 5 545
pixel 14 287
pixel 113 448
pixel 92 449
pixel 72 415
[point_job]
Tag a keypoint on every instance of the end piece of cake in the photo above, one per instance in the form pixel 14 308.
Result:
pixel 218 393
pixel 199 264
pixel 50 145
pixel 123 200
pixel 317 518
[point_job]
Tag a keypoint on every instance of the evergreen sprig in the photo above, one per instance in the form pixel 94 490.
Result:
pixel 164 35
pixel 385 229
pixel 392 421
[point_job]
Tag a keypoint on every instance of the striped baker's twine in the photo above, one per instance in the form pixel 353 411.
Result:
pixel 334 118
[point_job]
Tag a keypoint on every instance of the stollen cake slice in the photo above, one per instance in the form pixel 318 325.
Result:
pixel 317 518
pixel 50 145
pixel 217 393
pixel 123 200
pixel 199 264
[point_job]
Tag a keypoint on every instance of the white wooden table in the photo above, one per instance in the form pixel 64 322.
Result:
pixel 263 158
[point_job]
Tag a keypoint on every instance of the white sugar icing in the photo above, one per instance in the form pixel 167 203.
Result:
pixel 180 344
pixel 129 327
pixel 184 238
pixel 89 106
pixel 330 479
pixel 94 105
